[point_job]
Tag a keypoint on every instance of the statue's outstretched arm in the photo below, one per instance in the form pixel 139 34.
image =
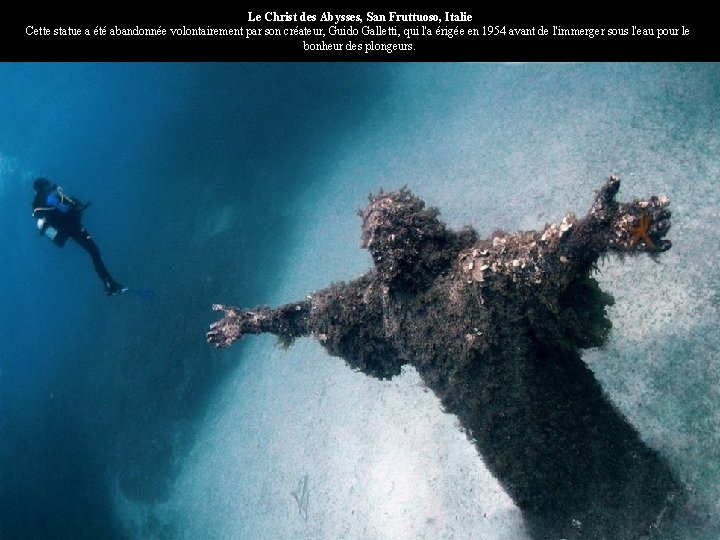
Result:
pixel 289 320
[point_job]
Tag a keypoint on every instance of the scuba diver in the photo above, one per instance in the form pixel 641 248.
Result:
pixel 59 218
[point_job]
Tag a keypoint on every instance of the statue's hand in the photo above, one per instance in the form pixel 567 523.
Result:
pixel 228 329
pixel 641 226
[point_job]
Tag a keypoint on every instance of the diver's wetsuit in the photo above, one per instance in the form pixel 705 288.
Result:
pixel 64 214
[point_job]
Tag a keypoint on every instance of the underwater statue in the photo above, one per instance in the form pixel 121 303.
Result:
pixel 495 327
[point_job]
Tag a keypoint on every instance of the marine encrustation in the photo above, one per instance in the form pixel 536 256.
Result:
pixel 495 327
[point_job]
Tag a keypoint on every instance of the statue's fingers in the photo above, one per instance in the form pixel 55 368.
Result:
pixel 660 227
pixel 661 213
pixel 218 324
pixel 664 244
pixel 660 201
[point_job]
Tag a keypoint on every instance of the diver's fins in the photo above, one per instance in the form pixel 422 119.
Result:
pixel 145 294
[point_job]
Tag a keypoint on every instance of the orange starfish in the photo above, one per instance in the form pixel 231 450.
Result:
pixel 642 231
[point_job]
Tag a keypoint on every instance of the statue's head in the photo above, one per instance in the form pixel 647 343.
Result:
pixel 399 232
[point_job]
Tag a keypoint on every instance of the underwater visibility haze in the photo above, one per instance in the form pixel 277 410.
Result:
pixel 240 184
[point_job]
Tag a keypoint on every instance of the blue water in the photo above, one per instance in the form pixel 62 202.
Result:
pixel 190 169
pixel 237 183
